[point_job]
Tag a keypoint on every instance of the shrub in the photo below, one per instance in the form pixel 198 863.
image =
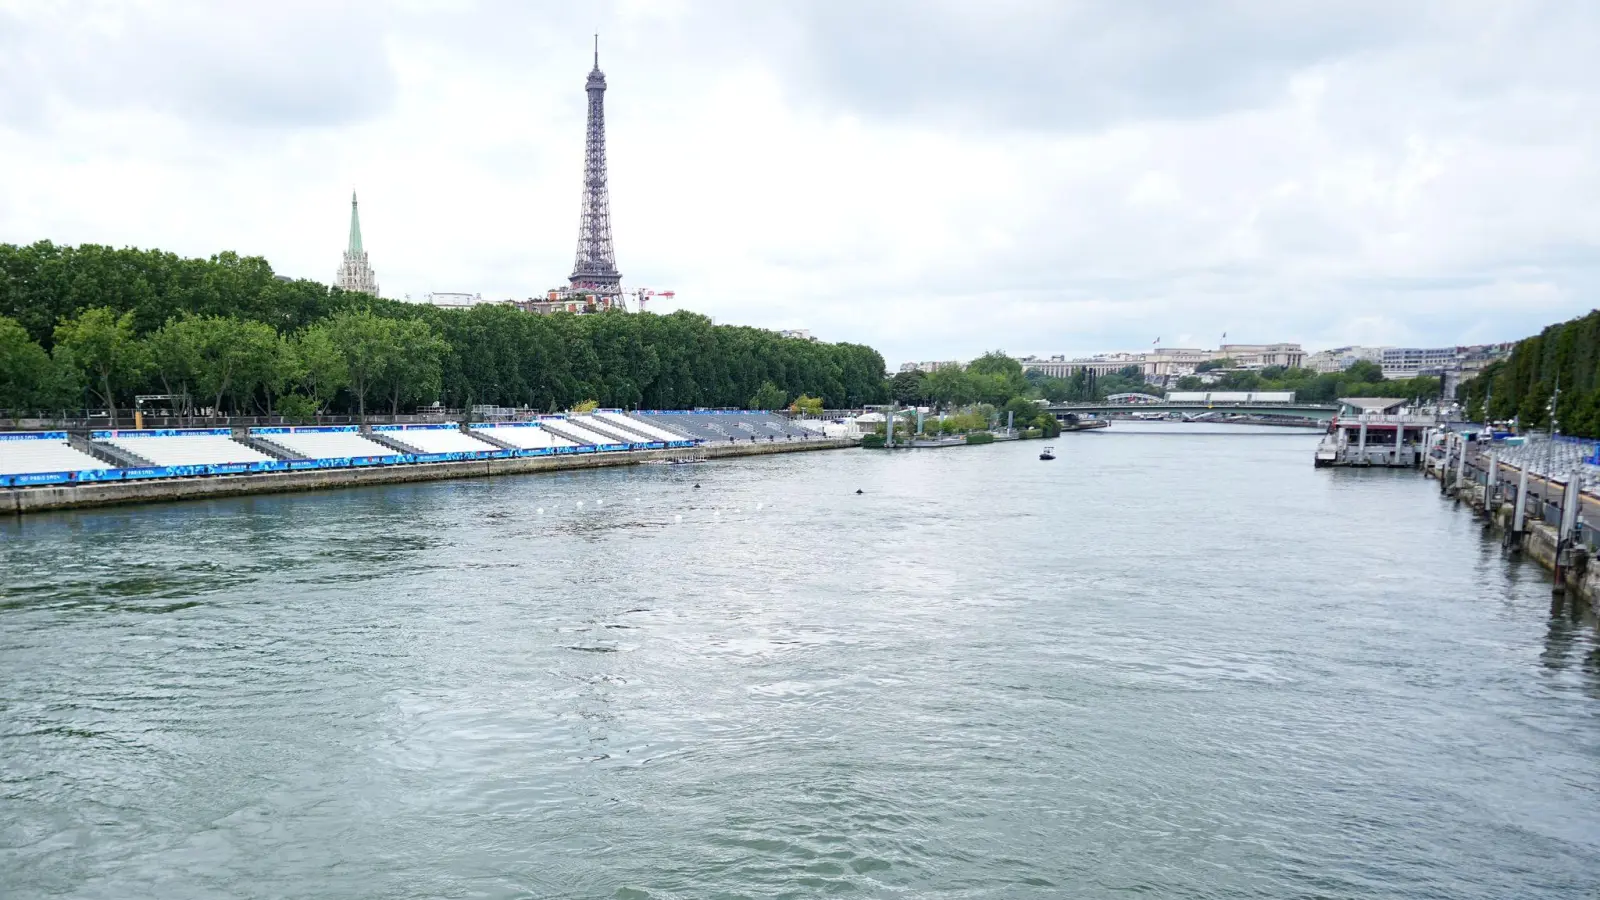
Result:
pixel 980 437
pixel 873 441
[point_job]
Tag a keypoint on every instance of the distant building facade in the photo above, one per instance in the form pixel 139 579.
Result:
pixel 798 334
pixel 1340 359
pixel 1164 363
pixel 355 271
pixel 931 366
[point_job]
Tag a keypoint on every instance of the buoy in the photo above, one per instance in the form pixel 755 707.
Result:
pixel 759 505
pixel 697 487
pixel 580 502
pixel 541 510
pixel 677 518
pixel 599 503
pixel 858 490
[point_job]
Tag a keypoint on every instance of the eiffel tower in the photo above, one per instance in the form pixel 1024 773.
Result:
pixel 596 267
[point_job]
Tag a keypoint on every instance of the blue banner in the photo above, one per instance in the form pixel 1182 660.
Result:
pixel 161 432
pixel 33 436
pixel 306 429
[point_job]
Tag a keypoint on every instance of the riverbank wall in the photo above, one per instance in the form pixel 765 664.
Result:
pixel 20 501
pixel 1563 541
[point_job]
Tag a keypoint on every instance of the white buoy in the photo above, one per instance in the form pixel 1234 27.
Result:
pixel 541 510
pixel 739 510
pixel 677 518
pixel 599 503
pixel 716 512
pixel 759 505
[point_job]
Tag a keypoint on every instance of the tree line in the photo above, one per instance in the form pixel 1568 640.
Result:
pixel 92 325
pixel 1521 386
pixel 990 380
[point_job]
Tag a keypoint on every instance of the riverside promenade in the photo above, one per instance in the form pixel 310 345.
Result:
pixel 21 500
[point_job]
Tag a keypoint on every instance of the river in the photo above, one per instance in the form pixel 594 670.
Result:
pixel 1176 662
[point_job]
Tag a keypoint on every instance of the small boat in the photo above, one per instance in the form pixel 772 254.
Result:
pixel 1049 453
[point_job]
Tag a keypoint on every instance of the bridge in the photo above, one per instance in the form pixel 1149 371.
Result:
pixel 1312 412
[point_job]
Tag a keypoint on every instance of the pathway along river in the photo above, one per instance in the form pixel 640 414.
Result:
pixel 1171 663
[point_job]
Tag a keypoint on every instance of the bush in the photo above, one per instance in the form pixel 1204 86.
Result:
pixel 872 441
pixel 1031 433
pixel 586 406
pixel 980 437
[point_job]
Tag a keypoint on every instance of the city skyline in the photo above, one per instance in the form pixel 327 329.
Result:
pixel 1355 176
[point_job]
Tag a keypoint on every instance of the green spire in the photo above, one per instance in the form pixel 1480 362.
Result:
pixel 355 226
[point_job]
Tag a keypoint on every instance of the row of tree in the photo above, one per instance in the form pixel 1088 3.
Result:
pixel 95 325
pixel 1520 387
pixel 995 378
pixel 1363 379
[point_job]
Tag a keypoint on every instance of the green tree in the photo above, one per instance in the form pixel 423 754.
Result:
pixel 30 379
pixel 411 369
pixel 316 366
pixel 906 387
pixel 103 345
pixel 1021 411
pixel 365 344
pixel 807 406
pixel 768 396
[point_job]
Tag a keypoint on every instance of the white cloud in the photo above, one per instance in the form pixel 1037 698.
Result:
pixel 933 179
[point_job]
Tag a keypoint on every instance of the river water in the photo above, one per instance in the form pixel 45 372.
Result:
pixel 1176 662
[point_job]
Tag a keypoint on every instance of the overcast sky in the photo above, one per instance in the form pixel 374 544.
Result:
pixel 931 178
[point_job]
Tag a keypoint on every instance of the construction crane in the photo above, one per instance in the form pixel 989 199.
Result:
pixel 643 295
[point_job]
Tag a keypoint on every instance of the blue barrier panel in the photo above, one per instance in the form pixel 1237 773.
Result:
pixel 305 429
pixel 32 478
pixel 297 464
pixel 445 427
pixel 146 472
pixel 33 436
pixel 161 432
pixel 99 475
pixel 227 468
pixel 5 480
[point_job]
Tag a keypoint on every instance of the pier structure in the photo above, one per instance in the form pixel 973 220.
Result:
pixel 1542 495
pixel 1375 431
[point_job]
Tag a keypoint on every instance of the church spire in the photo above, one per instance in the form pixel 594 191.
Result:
pixel 355 272
pixel 355 226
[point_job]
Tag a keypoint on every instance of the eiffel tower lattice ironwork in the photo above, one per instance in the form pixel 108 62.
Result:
pixel 596 265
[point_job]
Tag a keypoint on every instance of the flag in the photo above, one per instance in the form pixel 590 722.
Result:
pixel 1156 341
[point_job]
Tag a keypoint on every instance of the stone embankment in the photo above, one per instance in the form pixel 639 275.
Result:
pixel 1554 520
pixel 72 496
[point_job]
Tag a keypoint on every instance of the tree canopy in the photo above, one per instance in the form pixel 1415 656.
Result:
pixel 238 337
pixel 1521 385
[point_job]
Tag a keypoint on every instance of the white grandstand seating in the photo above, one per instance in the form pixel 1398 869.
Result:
pixel 187 449
pixel 329 444
pixel 639 425
pixel 437 440
pixel 26 457
pixel 577 431
pixel 608 430
pixel 527 435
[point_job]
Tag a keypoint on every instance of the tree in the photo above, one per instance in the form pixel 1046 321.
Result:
pixel 1020 410
pixel 806 406
pixel 906 387
pixel 317 367
pixel 1211 364
pixel 365 344
pixel 103 345
pixel 1191 383
pixel 30 379
pixel 410 372
pixel 1048 425
pixel 586 406
pixel 768 396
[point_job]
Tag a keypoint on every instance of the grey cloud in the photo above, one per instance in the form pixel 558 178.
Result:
pixel 266 65
pixel 1057 65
